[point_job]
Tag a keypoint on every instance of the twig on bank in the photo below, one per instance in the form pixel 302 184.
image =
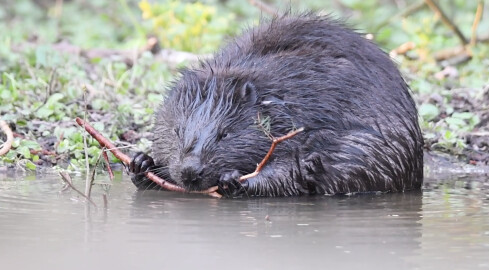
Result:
pixel 454 55
pixel 434 6
pixel 475 24
pixel 264 7
pixel 275 141
pixel 67 179
pixel 402 49
pixel 7 145
pixel 127 160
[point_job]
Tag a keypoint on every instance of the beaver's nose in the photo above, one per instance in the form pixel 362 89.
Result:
pixel 192 171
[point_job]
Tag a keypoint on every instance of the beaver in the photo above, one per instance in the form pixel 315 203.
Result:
pixel 361 130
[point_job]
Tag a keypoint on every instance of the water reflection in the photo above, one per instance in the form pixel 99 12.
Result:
pixel 446 225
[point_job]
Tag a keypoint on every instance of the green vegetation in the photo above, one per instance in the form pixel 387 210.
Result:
pixel 50 52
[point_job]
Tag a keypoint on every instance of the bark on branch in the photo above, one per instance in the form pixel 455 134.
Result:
pixel 275 141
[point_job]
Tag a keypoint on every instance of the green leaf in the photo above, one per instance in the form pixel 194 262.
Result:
pixel 31 166
pixel 30 144
pixel 55 98
pixel 455 122
pixel 428 111
pixel 44 112
pixel 463 115
pixel 24 150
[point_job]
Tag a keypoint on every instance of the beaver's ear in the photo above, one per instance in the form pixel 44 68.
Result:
pixel 247 93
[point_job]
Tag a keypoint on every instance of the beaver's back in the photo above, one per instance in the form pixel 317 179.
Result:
pixel 361 128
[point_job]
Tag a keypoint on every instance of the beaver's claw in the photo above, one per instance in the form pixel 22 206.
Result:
pixel 229 185
pixel 140 164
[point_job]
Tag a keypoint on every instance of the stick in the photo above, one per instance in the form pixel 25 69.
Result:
pixel 92 178
pixel 127 160
pixel 275 141
pixel 87 179
pixel 10 138
pixel 434 6
pixel 67 179
pixel 107 164
pixel 475 24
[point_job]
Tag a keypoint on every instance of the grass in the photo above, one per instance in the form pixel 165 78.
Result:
pixel 41 86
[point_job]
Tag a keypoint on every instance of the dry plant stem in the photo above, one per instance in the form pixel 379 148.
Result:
pixel 67 179
pixel 434 6
pixel 10 138
pixel 475 25
pixel 127 160
pixel 49 89
pixel 264 7
pixel 92 177
pixel 275 141
pixel 107 164
pixel 87 179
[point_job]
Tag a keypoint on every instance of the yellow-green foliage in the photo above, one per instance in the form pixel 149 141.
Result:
pixel 192 27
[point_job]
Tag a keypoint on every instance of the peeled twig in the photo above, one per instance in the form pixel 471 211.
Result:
pixel 127 160
pixel 275 141
pixel 67 179
pixel 10 138
pixel 402 49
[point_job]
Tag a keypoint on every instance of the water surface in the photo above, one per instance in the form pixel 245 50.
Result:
pixel 444 226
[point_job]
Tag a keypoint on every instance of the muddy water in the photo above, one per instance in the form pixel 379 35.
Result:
pixel 444 226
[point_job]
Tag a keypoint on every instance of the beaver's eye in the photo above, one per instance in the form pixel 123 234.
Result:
pixel 222 135
pixel 175 130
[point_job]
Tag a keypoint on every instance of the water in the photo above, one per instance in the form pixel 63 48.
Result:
pixel 444 226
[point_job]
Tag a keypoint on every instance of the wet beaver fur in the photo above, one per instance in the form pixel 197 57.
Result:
pixel 361 125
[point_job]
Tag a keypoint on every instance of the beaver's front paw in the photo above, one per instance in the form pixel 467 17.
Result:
pixel 229 185
pixel 140 164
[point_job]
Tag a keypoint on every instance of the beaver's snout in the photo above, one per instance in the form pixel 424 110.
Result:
pixel 190 171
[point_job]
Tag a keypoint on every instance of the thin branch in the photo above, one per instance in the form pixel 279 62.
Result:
pixel 67 179
pixel 107 165
pixel 127 160
pixel 264 7
pixel 92 178
pixel 49 89
pixel 7 145
pixel 87 179
pixel 475 24
pixel 434 6
pixel 275 141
